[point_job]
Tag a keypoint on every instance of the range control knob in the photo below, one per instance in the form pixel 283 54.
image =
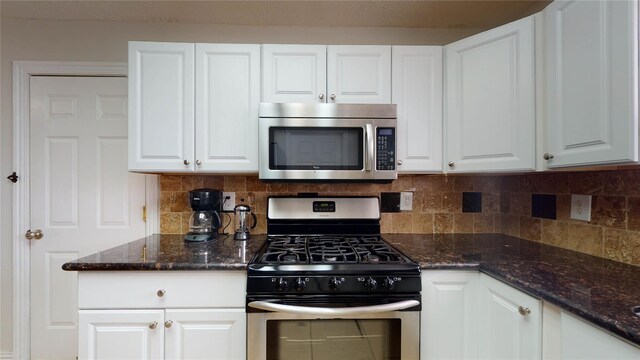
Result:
pixel 371 283
pixel 389 284
pixel 300 284
pixel 334 283
pixel 281 284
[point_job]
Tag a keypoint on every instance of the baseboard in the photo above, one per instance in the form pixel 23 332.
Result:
pixel 6 356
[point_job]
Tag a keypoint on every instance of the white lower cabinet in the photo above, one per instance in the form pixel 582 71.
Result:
pixel 449 319
pixel 162 315
pixel 510 322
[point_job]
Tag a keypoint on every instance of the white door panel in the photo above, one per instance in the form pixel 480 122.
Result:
pixel 82 196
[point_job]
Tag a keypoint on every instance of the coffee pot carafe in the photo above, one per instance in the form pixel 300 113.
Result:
pixel 242 213
pixel 205 219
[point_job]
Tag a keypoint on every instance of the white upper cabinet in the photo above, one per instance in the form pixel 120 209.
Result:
pixel 319 73
pixel 294 73
pixel 161 112
pixel 510 322
pixel 417 90
pixel 359 74
pixel 591 82
pixel 227 99
pixel 171 129
pixel 490 100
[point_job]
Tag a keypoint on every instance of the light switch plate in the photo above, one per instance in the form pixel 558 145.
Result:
pixel 230 204
pixel 581 207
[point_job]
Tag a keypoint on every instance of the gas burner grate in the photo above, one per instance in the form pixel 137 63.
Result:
pixel 326 249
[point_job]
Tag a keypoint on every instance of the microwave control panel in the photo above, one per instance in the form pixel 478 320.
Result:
pixel 385 149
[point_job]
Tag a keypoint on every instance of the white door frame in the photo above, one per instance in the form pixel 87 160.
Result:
pixel 22 71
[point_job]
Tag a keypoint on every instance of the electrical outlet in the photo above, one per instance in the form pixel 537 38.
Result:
pixel 406 200
pixel 228 204
pixel 581 207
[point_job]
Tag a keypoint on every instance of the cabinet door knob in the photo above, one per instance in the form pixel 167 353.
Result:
pixel 451 164
pixel 34 234
pixel 153 325
pixel 186 162
pixel 524 311
pixel 161 292
pixel 168 323
pixel 547 156
pixel 321 96
pixel 198 162
pixel 333 96
pixel 399 162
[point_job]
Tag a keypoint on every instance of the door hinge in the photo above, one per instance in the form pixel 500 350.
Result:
pixel 13 177
pixel 144 213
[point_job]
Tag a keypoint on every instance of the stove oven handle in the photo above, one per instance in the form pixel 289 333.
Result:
pixel 304 310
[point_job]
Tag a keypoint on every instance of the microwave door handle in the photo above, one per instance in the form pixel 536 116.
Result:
pixel 369 147
pixel 359 310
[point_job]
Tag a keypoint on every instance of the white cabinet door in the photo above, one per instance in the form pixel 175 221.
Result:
pixel 121 334
pixel 417 90
pixel 490 100
pixel 592 82
pixel 227 99
pixel 581 340
pixel 205 334
pixel 161 106
pixel 510 322
pixel 359 74
pixel 294 73
pixel 449 323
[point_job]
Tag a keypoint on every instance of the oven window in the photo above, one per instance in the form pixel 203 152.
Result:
pixel 333 339
pixel 316 148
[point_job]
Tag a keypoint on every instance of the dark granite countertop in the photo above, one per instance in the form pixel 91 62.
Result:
pixel 171 252
pixel 598 290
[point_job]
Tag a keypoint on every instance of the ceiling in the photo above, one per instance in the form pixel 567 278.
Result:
pixel 415 14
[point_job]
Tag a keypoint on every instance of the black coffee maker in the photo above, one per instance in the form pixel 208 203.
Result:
pixel 205 219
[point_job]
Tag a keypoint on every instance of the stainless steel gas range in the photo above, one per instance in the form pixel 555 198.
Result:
pixel 325 285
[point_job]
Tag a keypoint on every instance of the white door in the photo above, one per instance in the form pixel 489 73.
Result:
pixel 82 196
pixel 592 82
pixel 449 315
pixel 162 106
pixel 417 90
pixel 121 335
pixel 510 322
pixel 227 99
pixel 359 74
pixel 490 100
pixel 294 73
pixel 212 334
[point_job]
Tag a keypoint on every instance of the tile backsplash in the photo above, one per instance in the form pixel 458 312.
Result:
pixel 505 206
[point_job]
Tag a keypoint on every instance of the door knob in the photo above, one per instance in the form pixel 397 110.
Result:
pixel 161 292
pixel 186 162
pixel 547 156
pixel 321 96
pixel 198 162
pixel 168 323
pixel 153 325
pixel 399 162
pixel 34 234
pixel 451 164
pixel 333 96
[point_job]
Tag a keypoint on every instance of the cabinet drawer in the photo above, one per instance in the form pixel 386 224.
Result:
pixel 139 290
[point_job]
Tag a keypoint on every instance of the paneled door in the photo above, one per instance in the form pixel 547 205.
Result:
pixel 82 197
pixel 359 74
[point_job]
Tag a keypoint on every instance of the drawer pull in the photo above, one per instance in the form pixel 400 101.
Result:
pixel 168 323
pixel 153 325
pixel 524 311
pixel 161 292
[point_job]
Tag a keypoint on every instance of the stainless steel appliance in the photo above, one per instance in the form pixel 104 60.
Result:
pixel 205 219
pixel 325 285
pixel 242 226
pixel 353 142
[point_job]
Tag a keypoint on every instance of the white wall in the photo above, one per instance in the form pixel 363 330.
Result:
pixel 107 41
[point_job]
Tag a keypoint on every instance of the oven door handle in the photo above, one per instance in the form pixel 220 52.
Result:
pixel 359 310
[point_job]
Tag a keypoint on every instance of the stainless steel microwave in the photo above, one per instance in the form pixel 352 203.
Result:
pixel 308 142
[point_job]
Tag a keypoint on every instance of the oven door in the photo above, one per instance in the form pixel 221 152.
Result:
pixel 286 330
